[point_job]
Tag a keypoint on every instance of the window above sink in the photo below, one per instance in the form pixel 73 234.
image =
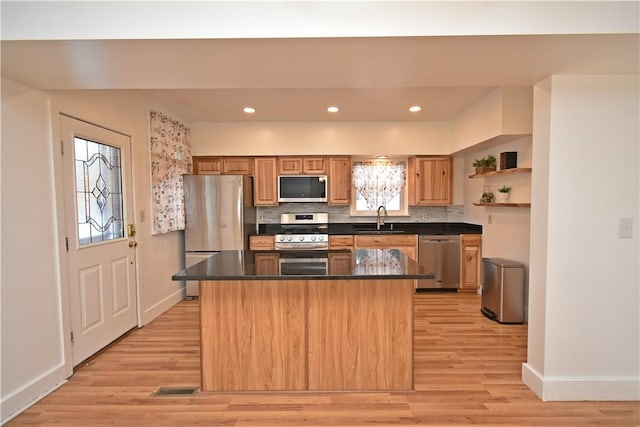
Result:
pixel 379 182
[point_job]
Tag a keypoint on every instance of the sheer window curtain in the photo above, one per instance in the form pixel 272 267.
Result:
pixel 378 181
pixel 170 159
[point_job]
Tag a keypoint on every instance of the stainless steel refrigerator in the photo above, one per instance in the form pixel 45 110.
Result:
pixel 219 216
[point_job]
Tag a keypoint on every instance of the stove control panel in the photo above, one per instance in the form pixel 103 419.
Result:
pixel 302 238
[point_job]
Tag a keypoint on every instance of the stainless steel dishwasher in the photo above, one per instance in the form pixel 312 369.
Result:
pixel 441 256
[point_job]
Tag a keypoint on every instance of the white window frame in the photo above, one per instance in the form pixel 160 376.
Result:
pixel 404 195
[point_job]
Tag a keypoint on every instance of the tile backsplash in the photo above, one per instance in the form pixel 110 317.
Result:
pixel 451 213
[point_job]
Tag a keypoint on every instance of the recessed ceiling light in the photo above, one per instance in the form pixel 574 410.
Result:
pixel 333 109
pixel 249 110
pixel 415 108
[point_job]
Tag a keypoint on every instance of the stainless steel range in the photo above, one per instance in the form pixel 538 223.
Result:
pixel 303 231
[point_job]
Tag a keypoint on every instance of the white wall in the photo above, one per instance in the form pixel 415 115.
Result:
pixel 31 339
pixel 33 297
pixel 505 230
pixel 590 319
pixel 537 297
pixel 504 111
pixel 357 138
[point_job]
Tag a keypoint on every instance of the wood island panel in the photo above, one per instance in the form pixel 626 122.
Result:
pixel 360 335
pixel 253 335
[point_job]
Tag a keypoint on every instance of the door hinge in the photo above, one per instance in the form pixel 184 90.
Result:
pixel 66 243
pixel 61 147
pixel 72 341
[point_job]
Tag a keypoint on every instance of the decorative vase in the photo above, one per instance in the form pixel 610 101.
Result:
pixel 503 197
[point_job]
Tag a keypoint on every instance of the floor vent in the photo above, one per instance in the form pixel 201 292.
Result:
pixel 176 391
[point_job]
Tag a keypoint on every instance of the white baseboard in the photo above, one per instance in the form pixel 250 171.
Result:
pixel 581 388
pixel 163 305
pixel 532 379
pixel 22 399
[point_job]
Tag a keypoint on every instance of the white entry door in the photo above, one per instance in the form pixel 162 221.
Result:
pixel 101 255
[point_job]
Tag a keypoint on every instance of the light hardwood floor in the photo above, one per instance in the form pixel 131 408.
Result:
pixel 467 371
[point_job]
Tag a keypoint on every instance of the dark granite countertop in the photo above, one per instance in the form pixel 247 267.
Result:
pixel 420 228
pixel 306 265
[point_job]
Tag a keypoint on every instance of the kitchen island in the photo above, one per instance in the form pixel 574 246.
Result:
pixel 306 320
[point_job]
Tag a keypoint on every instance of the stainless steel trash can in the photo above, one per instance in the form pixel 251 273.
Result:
pixel 503 290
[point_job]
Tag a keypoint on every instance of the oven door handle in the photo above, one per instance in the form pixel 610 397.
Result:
pixel 322 261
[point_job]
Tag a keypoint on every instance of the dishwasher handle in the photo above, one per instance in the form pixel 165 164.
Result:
pixel 438 238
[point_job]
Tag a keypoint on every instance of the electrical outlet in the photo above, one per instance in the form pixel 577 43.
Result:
pixel 625 228
pixel 143 215
pixel 490 219
pixel 424 215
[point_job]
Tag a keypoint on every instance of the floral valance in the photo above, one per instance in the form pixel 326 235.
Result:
pixel 378 181
pixel 170 159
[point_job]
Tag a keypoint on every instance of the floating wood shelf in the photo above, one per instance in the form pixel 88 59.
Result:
pixel 501 172
pixel 506 205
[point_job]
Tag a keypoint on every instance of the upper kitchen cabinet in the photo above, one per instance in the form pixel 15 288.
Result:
pixel 302 165
pixel 237 165
pixel 430 181
pixel 289 165
pixel 265 186
pixel 314 165
pixel 206 165
pixel 339 181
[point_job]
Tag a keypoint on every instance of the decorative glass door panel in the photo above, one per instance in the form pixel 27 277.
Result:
pixel 99 199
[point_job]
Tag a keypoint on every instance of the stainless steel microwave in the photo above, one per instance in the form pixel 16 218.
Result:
pixel 302 188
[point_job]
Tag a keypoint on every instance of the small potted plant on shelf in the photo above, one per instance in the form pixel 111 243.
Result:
pixel 503 194
pixel 485 164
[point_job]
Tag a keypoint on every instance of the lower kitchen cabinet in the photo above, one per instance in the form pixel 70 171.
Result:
pixel 470 261
pixel 341 242
pixel 261 243
pixel 341 263
pixel 267 264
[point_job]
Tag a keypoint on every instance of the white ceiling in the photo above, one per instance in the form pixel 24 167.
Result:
pixel 292 79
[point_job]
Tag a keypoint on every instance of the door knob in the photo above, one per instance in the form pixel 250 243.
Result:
pixel 133 243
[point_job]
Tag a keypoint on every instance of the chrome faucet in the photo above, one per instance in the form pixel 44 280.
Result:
pixel 380 220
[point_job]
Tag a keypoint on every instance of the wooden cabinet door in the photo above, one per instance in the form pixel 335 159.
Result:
pixel 430 181
pixel 237 165
pixel 313 165
pixel 340 263
pixel 265 187
pixel 207 165
pixel 341 242
pixel 289 165
pixel 261 243
pixel 470 261
pixel 339 181
pixel 267 264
